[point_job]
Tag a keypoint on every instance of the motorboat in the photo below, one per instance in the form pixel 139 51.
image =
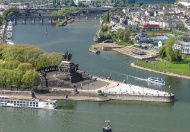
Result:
pixel 156 80
pixel 107 128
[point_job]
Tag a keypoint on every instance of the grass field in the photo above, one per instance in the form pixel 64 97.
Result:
pixel 181 68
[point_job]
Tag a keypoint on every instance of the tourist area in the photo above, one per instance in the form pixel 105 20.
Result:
pixel 123 30
pixel 70 66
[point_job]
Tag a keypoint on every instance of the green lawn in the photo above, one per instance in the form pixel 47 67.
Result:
pixel 181 68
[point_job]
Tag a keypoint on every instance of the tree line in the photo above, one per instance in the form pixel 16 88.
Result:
pixel 18 64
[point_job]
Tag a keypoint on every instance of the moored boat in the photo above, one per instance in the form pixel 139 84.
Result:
pixel 156 80
pixel 33 103
pixel 9 35
pixel 9 41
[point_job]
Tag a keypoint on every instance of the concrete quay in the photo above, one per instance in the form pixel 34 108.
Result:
pixel 118 91
pixel 90 91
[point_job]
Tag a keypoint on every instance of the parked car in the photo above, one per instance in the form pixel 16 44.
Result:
pixel 144 46
pixel 108 41
pixel 138 45
pixel 139 52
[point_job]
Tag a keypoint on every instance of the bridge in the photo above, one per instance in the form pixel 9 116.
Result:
pixel 102 9
pixel 33 18
pixel 53 18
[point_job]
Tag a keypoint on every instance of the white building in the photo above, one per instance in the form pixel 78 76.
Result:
pixel 18 5
pixel 185 47
pixel 185 3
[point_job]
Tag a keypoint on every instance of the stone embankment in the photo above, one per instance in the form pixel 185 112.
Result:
pixel 58 95
pixel 89 97
pixel 144 98
pixel 100 89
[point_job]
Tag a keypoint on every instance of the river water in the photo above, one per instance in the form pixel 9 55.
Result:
pixel 84 116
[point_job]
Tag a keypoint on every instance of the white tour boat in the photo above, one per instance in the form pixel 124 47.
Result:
pixel 156 80
pixel 9 41
pixel 33 103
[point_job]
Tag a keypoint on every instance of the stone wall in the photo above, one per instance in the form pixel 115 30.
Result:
pixel 142 98
pixel 83 95
pixel 9 92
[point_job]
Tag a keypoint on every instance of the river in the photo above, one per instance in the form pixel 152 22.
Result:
pixel 84 116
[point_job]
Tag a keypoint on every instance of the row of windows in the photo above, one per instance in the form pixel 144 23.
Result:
pixel 186 50
pixel 27 105
pixel 19 102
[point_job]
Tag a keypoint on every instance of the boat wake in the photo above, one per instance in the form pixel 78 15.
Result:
pixel 137 78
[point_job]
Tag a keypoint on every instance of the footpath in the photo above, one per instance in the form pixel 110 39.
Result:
pixel 165 73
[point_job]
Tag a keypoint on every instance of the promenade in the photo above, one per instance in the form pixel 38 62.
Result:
pixel 110 89
pixel 129 50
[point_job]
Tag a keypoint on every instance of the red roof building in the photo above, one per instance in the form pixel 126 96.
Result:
pixel 151 26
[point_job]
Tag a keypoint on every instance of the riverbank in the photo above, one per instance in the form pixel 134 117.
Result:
pixel 100 89
pixel 165 73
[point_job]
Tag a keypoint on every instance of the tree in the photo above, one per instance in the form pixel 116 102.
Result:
pixel 106 17
pixel 11 64
pixel 17 78
pixel 3 77
pixel 25 67
pixel 126 36
pixel 22 53
pixel 120 34
pixel 104 28
pixel 162 52
pixel 171 50
pixel 10 12
pixel 180 25
pixel 49 59
pixel 30 79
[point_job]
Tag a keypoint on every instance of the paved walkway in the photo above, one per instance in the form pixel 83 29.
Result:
pixel 128 50
pixel 107 46
pixel 165 73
